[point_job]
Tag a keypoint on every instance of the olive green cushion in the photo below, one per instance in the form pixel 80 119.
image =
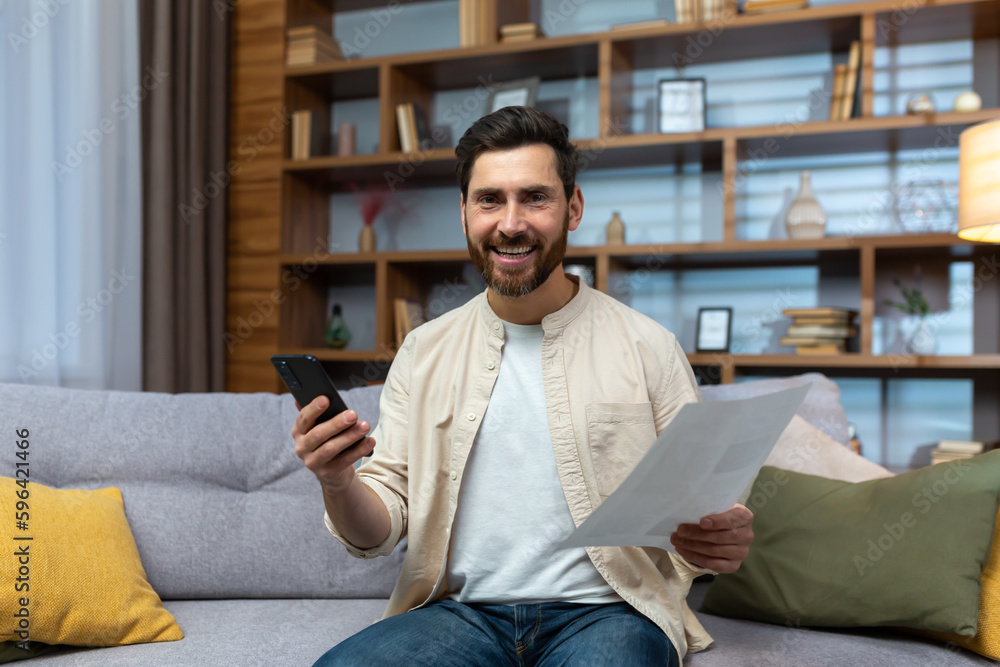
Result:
pixel 11 652
pixel 905 551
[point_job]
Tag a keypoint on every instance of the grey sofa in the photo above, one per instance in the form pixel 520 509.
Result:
pixel 229 526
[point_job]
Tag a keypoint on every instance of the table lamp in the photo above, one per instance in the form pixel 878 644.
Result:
pixel 979 183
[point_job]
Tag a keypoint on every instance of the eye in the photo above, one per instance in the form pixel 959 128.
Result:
pixel 487 200
pixel 537 197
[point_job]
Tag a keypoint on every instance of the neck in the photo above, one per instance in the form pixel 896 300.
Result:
pixel 552 295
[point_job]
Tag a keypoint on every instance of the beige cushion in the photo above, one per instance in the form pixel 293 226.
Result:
pixel 804 448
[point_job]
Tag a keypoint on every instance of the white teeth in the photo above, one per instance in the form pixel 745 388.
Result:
pixel 521 250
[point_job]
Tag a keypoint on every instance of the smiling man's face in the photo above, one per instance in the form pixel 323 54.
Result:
pixel 517 219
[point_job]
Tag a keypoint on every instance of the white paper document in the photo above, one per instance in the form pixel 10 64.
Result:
pixel 700 464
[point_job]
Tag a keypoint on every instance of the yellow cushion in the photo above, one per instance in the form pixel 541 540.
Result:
pixel 81 581
pixel 987 638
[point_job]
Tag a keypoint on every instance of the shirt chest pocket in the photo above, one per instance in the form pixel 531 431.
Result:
pixel 619 435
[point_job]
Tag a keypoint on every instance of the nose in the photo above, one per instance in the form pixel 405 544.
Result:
pixel 513 221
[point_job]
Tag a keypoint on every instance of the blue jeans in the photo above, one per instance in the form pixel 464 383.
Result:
pixel 449 633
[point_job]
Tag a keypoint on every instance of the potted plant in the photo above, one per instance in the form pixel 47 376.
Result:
pixel 918 335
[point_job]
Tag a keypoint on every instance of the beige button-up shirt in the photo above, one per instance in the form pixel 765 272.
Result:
pixel 613 379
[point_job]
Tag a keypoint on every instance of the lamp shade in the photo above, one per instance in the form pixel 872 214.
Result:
pixel 979 183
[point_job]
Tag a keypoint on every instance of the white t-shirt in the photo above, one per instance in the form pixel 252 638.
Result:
pixel 511 508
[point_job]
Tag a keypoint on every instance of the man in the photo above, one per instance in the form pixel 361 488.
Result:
pixel 503 424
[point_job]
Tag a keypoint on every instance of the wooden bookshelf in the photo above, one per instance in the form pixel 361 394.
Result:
pixel 280 209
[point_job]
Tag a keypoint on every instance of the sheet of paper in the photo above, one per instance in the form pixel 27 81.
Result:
pixel 700 464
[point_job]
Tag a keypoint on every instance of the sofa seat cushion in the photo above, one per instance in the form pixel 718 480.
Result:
pixel 249 633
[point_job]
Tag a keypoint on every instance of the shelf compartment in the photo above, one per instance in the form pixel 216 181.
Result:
pixel 307 286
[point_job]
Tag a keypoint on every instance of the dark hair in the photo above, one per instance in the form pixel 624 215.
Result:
pixel 513 127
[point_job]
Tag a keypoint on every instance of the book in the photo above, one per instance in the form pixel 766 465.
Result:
pixel 797 341
pixel 420 127
pixel 821 331
pixel 831 319
pixel 304 143
pixel 850 80
pixel 960 446
pixel 684 11
pixel 520 30
pixel 764 6
pixel 819 349
pixel 638 25
pixel 406 133
pixel 837 96
pixel 309 44
pixel 818 312
pixel 408 316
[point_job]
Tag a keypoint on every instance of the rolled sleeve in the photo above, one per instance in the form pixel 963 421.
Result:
pixel 397 518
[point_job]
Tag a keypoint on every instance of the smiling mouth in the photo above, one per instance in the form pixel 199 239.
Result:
pixel 513 252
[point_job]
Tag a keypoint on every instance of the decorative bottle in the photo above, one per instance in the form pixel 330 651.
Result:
pixel 615 230
pixel 337 334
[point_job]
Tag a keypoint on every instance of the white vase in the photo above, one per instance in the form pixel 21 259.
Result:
pixel 805 219
pixel 919 336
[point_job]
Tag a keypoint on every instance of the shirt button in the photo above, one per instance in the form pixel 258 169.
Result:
pixel 490 365
pixel 496 326
pixel 454 475
pixel 471 416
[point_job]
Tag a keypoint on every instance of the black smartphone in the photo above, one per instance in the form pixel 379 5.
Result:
pixel 304 376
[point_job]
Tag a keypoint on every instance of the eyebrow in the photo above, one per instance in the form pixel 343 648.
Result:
pixel 538 187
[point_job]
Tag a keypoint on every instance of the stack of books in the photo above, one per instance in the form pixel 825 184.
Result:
pixel 408 316
pixel 952 450
pixel 845 84
pixel 519 32
pixel 309 45
pixel 764 6
pixel 471 29
pixel 819 330
pixel 305 137
pixel 640 25
pixel 411 122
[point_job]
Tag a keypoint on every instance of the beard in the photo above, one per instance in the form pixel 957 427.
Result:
pixel 513 281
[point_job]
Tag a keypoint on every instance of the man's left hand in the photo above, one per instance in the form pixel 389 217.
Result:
pixel 720 542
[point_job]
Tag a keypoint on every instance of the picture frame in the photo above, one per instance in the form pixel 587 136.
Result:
pixel 682 105
pixel 519 93
pixel 713 332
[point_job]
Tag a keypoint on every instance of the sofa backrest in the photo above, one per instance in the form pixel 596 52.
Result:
pixel 219 504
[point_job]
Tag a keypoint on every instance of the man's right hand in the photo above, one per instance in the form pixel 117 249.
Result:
pixel 327 449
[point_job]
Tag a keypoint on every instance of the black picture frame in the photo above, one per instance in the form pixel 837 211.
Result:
pixel 519 93
pixel 681 105
pixel 714 329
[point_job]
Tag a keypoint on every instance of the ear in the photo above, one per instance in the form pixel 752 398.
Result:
pixel 461 208
pixel 575 208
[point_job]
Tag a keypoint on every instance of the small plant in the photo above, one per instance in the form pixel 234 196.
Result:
pixel 914 302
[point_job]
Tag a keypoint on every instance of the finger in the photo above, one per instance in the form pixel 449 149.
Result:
pixel 720 565
pixel 339 447
pixel 698 534
pixel 737 517
pixel 297 406
pixel 737 551
pixel 345 422
pixel 308 415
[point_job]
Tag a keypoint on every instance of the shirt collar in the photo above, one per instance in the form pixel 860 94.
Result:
pixel 551 322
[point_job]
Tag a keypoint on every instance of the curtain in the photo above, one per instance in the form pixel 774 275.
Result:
pixel 70 194
pixel 185 143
